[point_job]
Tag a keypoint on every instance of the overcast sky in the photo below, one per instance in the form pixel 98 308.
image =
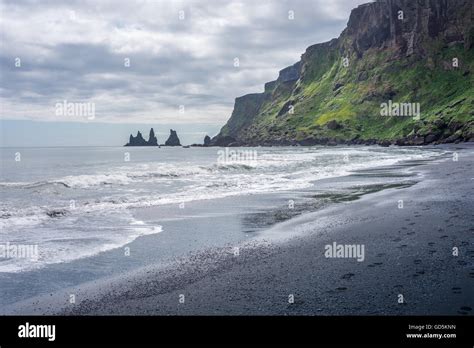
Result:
pixel 180 53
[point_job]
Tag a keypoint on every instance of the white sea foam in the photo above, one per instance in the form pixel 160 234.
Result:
pixel 56 246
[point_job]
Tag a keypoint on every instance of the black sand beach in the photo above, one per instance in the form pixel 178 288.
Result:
pixel 408 252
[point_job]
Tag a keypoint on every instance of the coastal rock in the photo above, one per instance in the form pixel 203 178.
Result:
pixel 235 144
pixel 152 140
pixel 452 138
pixel 384 143
pixel 137 141
pixel 140 141
pixel 222 141
pixel 431 138
pixel 333 125
pixel 207 140
pixel 308 142
pixel 173 139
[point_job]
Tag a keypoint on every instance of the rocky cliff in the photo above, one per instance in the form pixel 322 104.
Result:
pixel 416 56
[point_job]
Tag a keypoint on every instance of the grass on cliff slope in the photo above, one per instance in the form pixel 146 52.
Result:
pixel 364 85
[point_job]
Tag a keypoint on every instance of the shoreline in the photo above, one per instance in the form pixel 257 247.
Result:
pixel 409 141
pixel 213 221
pixel 407 252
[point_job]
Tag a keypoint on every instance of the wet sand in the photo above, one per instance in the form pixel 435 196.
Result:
pixel 284 271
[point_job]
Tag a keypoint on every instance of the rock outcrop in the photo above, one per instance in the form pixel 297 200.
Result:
pixel 140 141
pixel 406 27
pixel 152 140
pixel 410 51
pixel 173 139
pixel 206 142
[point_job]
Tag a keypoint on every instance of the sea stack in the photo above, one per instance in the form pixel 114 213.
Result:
pixel 207 140
pixel 152 140
pixel 140 141
pixel 173 139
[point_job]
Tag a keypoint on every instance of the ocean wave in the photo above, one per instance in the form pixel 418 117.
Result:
pixel 105 214
pixel 233 166
pixel 54 247
pixel 38 184
pixel 13 220
pixel 101 217
pixel 204 182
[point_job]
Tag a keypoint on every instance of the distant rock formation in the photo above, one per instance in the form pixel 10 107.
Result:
pixel 140 141
pixel 152 140
pixel 173 139
pixel 206 143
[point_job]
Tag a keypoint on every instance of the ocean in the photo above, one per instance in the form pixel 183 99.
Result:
pixel 76 202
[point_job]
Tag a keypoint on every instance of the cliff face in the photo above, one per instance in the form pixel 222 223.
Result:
pixel 393 51
pixel 409 27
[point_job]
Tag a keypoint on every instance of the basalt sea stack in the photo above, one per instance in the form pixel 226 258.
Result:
pixel 173 139
pixel 140 141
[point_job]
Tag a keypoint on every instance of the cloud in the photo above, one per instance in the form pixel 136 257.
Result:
pixel 180 53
